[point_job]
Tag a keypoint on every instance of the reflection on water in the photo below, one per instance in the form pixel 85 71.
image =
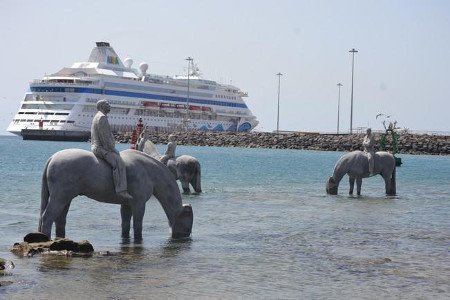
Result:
pixel 50 263
pixel 174 247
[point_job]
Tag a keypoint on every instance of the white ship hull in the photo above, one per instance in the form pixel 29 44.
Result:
pixel 66 100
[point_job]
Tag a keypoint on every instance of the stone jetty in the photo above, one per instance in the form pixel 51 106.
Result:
pixel 407 143
pixel 38 243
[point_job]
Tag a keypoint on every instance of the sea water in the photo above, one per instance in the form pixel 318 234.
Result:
pixel 264 227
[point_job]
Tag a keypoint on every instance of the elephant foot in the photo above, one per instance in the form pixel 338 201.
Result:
pixel 186 191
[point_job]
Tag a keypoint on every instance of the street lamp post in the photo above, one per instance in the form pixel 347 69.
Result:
pixel 278 103
pixel 339 104
pixel 352 51
pixel 189 60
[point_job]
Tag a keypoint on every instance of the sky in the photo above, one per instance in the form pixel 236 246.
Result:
pixel 402 67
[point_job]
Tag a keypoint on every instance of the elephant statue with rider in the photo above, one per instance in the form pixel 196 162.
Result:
pixel 357 166
pixel 73 172
pixel 185 168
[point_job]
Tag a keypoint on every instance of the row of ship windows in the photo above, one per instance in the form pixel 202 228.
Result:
pixel 17 121
pixel 117 102
pixel 170 115
pixel 53 89
pixel 34 97
pixel 114 110
pixel 48 106
pixel 43 113
pixel 177 114
pixel 226 97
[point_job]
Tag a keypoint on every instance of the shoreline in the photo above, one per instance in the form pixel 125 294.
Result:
pixel 407 143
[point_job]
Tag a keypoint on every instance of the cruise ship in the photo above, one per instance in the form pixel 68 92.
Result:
pixel 61 106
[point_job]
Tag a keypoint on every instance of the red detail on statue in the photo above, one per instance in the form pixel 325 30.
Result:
pixel 133 139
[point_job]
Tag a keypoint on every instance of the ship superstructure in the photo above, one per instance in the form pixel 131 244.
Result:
pixel 66 101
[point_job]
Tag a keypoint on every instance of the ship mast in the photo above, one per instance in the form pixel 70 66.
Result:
pixel 190 64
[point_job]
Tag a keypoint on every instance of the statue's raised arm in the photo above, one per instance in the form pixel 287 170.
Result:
pixel 170 152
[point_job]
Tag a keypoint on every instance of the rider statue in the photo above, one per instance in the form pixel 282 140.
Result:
pixel 142 139
pixel 369 148
pixel 103 147
pixel 170 152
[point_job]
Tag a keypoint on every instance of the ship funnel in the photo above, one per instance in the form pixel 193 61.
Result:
pixel 128 62
pixel 106 55
pixel 143 67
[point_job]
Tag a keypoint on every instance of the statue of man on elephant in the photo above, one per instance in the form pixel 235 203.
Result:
pixel 184 168
pixel 356 165
pixel 72 172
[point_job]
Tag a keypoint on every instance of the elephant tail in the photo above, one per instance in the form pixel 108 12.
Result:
pixel 45 194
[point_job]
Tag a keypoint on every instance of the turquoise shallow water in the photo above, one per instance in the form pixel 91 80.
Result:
pixel 264 227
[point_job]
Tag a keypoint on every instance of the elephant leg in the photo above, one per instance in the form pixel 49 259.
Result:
pixel 125 214
pixel 393 184
pixel 358 186
pixel 351 181
pixel 60 223
pixel 185 186
pixel 387 185
pixel 138 217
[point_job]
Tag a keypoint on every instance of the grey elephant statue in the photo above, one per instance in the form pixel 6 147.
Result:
pixel 356 165
pixel 185 168
pixel 72 172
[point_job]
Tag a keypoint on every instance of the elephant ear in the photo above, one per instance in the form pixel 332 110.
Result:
pixel 150 149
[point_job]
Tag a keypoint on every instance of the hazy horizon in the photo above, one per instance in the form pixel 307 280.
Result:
pixel 401 68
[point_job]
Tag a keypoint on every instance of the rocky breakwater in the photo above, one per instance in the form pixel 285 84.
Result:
pixel 407 143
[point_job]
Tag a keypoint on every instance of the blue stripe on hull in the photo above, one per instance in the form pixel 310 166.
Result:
pixel 219 127
pixel 245 127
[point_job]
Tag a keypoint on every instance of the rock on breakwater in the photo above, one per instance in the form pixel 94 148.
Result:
pixel 407 143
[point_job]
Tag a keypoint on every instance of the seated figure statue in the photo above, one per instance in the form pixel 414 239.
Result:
pixel 369 148
pixel 142 139
pixel 170 152
pixel 103 147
